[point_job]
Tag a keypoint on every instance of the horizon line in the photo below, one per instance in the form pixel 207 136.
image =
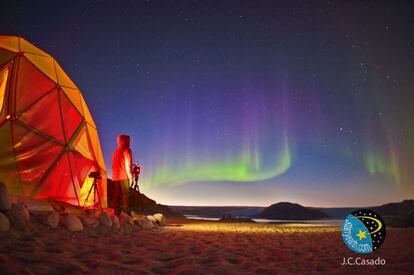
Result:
pixel 252 206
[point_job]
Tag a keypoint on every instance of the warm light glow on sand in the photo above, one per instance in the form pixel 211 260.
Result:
pixel 255 228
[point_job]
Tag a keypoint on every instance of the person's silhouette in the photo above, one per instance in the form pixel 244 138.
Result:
pixel 121 174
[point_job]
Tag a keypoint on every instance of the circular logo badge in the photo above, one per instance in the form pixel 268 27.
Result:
pixel 363 231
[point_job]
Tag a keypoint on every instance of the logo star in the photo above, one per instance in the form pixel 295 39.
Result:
pixel 361 234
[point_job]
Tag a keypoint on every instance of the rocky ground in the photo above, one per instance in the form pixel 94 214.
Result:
pixel 48 238
pixel 46 232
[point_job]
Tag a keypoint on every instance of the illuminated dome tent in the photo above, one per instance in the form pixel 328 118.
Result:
pixel 48 140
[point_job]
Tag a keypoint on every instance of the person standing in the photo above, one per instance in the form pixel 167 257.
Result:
pixel 121 174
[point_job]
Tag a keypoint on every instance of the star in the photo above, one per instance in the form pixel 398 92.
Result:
pixel 361 234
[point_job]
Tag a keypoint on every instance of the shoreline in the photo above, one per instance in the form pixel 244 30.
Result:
pixel 270 221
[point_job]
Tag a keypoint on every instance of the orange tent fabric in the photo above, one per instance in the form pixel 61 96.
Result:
pixel 48 139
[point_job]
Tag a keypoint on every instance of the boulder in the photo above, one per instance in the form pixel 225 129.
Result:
pixel 142 204
pixel 4 198
pixel 152 219
pixel 125 218
pixel 73 223
pixel 36 206
pixel 146 224
pixel 89 221
pixel 137 216
pixel 53 219
pixel 19 216
pixel 115 222
pixel 74 210
pixel 143 222
pixel 93 212
pixel 105 219
pixel 4 223
pixel 161 219
pixel 94 223
pixel 58 206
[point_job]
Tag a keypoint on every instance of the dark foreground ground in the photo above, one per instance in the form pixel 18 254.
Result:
pixel 197 247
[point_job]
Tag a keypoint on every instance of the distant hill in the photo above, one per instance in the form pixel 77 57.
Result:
pixel 291 211
pixel 394 214
pixel 397 214
pixel 395 209
pixel 336 212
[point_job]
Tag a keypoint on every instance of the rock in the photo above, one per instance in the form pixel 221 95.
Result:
pixel 36 206
pixel 115 222
pixel 94 223
pixel 93 212
pixel 58 206
pixel 136 216
pixel 19 216
pixel 139 202
pixel 89 221
pixel 143 222
pixel 53 219
pixel 147 224
pixel 105 219
pixel 125 218
pixel 73 223
pixel 152 219
pixel 4 223
pixel 161 219
pixel 73 210
pixel 4 198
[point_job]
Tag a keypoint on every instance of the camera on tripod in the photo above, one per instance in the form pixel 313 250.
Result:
pixel 135 171
pixel 95 175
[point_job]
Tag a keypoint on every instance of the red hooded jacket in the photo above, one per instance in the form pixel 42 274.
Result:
pixel 122 160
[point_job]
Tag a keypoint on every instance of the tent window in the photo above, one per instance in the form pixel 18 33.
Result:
pixel 3 81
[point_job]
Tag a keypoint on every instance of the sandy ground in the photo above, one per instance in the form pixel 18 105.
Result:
pixel 197 247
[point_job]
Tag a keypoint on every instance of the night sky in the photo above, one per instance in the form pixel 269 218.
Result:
pixel 243 102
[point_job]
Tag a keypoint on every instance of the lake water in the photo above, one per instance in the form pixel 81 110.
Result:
pixel 314 222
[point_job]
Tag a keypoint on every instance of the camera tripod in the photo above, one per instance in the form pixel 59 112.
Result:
pixel 136 170
pixel 96 176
